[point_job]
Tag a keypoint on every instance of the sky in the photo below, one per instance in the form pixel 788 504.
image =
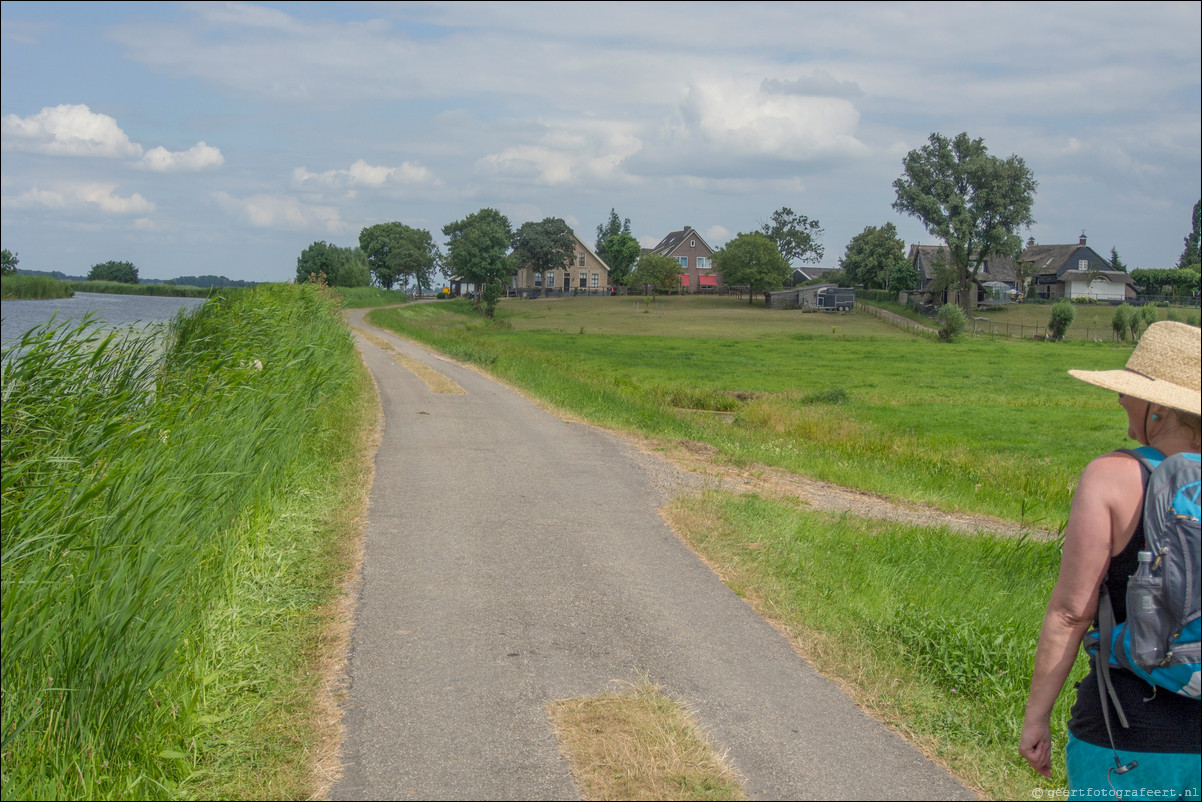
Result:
pixel 224 138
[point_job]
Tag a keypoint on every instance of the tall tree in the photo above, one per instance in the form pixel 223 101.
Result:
pixel 543 246
pixel 476 249
pixel 611 228
pixel 396 251
pixel 123 272
pixel 1191 255
pixel 8 261
pixel 1115 262
pixel 796 236
pixel 873 257
pixel 753 260
pixel 622 251
pixel 656 272
pixel 974 202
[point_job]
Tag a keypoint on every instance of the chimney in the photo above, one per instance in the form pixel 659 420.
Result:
pixel 1082 238
pixel 1030 242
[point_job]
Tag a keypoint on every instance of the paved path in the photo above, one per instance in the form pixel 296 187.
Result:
pixel 512 558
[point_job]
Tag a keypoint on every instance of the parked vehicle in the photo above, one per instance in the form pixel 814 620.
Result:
pixel 840 299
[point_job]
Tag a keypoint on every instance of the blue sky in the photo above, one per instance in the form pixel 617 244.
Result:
pixel 223 138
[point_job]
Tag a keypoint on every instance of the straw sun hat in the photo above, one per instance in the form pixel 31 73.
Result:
pixel 1164 368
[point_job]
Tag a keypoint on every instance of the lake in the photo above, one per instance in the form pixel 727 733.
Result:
pixel 115 310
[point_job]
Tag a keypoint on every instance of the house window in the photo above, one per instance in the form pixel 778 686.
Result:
pixel 596 281
pixel 703 263
pixel 583 281
pixel 538 279
pixel 683 261
pixel 1083 264
pixel 550 280
pixel 579 260
pixel 692 243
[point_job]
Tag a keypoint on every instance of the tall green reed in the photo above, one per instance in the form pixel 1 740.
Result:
pixel 125 466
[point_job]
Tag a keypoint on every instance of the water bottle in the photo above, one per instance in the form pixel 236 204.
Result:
pixel 1145 611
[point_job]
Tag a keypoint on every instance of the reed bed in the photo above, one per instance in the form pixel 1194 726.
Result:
pixel 162 290
pixel 134 478
pixel 33 288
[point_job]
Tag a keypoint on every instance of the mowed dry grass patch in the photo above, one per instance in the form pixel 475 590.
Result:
pixel 641 744
pixel 437 382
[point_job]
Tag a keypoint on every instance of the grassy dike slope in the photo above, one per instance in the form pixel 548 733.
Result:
pixel 176 534
pixel 930 630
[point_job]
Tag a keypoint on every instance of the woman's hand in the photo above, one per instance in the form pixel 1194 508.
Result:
pixel 1035 745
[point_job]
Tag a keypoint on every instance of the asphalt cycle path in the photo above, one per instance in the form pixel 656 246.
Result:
pixel 511 559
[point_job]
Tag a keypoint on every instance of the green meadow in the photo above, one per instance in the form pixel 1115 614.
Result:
pixel 986 426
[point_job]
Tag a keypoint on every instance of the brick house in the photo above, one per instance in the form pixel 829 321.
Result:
pixel 695 257
pixel 584 274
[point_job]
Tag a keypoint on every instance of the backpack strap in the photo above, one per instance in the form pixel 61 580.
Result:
pixel 1148 458
pixel 1102 661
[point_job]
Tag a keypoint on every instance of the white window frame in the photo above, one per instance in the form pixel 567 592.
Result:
pixel 595 281
pixel 580 260
pixel 703 263
pixel 683 261
pixel 1083 264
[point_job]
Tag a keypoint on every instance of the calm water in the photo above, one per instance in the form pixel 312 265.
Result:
pixel 115 310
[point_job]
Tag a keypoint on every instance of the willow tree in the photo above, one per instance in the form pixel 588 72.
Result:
pixel 974 202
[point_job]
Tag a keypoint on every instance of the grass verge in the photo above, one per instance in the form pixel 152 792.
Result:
pixel 930 631
pixel 639 745
pixel 367 297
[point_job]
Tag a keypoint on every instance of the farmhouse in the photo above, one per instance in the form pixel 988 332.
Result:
pixel 695 257
pixel 996 277
pixel 1074 271
pixel 585 273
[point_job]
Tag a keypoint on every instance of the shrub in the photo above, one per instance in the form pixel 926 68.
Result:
pixel 1121 322
pixel 951 322
pixel 1063 314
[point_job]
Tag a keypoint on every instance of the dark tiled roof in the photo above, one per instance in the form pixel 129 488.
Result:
pixel 674 240
pixel 996 268
pixel 1048 258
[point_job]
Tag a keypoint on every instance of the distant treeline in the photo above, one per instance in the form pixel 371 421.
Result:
pixel 189 281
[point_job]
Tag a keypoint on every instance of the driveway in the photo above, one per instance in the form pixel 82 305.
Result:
pixel 512 558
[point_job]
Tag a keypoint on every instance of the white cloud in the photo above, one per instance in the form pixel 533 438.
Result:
pixel 81 195
pixel 282 211
pixel 568 153
pixel 198 157
pixel 68 130
pixel 362 174
pixel 76 130
pixel 737 116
